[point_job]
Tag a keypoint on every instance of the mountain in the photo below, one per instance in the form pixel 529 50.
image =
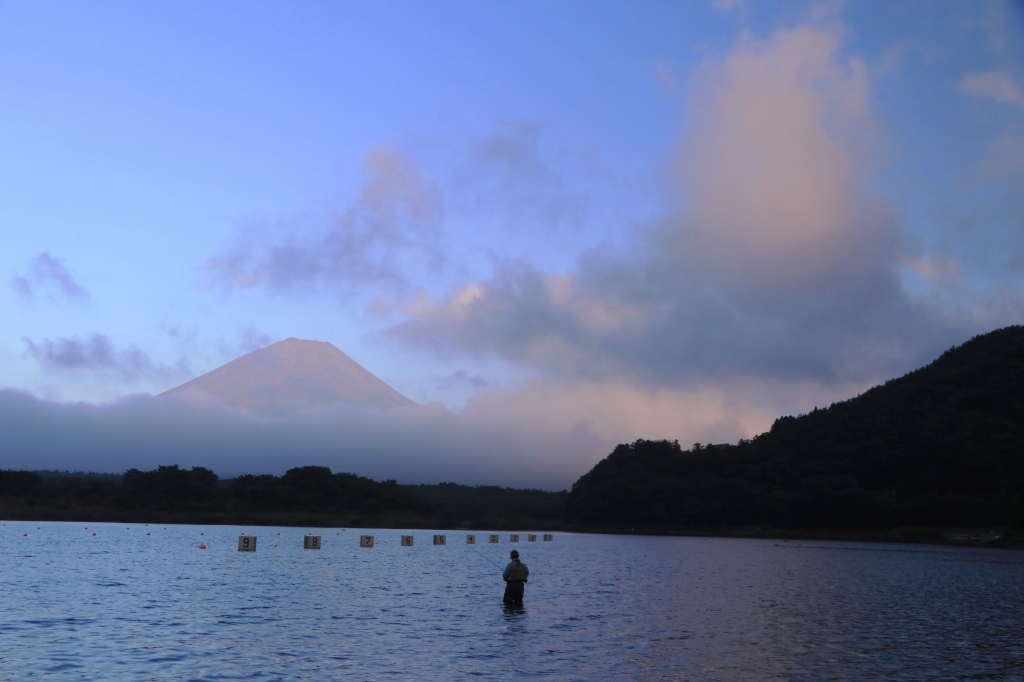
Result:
pixel 942 446
pixel 293 375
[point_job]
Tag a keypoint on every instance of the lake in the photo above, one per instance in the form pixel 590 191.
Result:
pixel 86 601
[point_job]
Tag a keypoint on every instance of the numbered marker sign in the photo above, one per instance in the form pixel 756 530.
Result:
pixel 439 540
pixel 470 539
pixel 311 542
pixel 366 541
pixel 246 543
pixel 513 538
pixel 406 541
pixel 493 539
pixel 531 538
pixel 548 537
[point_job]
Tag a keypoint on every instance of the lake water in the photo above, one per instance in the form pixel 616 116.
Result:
pixel 136 602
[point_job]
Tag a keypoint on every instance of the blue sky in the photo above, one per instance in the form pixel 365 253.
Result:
pixel 557 225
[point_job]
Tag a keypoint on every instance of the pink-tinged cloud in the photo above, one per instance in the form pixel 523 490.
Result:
pixel 774 175
pixel 997 86
pixel 779 262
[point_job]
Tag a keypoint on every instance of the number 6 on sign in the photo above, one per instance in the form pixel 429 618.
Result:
pixel 366 541
pixel 406 541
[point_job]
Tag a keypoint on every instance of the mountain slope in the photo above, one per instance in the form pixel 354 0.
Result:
pixel 293 375
pixel 941 446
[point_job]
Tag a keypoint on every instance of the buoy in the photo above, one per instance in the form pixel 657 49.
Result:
pixel 201 533
pixel 24 535
pixel 201 546
pixel 94 534
pixel 147 533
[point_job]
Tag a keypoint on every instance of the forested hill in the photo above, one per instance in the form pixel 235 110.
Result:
pixel 942 446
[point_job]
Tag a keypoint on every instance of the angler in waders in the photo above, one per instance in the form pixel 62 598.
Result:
pixel 515 576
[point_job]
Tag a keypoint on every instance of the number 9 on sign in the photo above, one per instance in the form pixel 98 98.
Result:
pixel 246 543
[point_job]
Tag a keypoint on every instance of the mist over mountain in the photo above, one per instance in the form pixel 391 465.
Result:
pixel 290 376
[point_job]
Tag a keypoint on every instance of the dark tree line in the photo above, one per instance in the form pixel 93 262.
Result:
pixel 310 495
pixel 941 446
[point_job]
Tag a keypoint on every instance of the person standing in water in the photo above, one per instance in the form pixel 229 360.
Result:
pixel 515 576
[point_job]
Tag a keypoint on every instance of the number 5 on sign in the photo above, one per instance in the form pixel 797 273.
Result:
pixel 246 543
pixel 366 541
pixel 439 540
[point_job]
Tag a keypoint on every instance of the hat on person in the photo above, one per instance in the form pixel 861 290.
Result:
pixel 515 554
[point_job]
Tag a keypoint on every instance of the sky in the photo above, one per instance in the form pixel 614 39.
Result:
pixel 556 226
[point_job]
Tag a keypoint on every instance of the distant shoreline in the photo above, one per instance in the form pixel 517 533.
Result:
pixel 998 538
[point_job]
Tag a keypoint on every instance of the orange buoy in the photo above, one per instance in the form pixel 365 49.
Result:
pixel 202 546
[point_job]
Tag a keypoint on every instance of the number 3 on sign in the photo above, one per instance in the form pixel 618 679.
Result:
pixel 366 541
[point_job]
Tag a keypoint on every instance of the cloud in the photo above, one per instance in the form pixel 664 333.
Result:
pixel 48 274
pixel 779 263
pixel 424 444
pixel 98 354
pixel 544 435
pixel 997 86
pixel 510 172
pixel 391 232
